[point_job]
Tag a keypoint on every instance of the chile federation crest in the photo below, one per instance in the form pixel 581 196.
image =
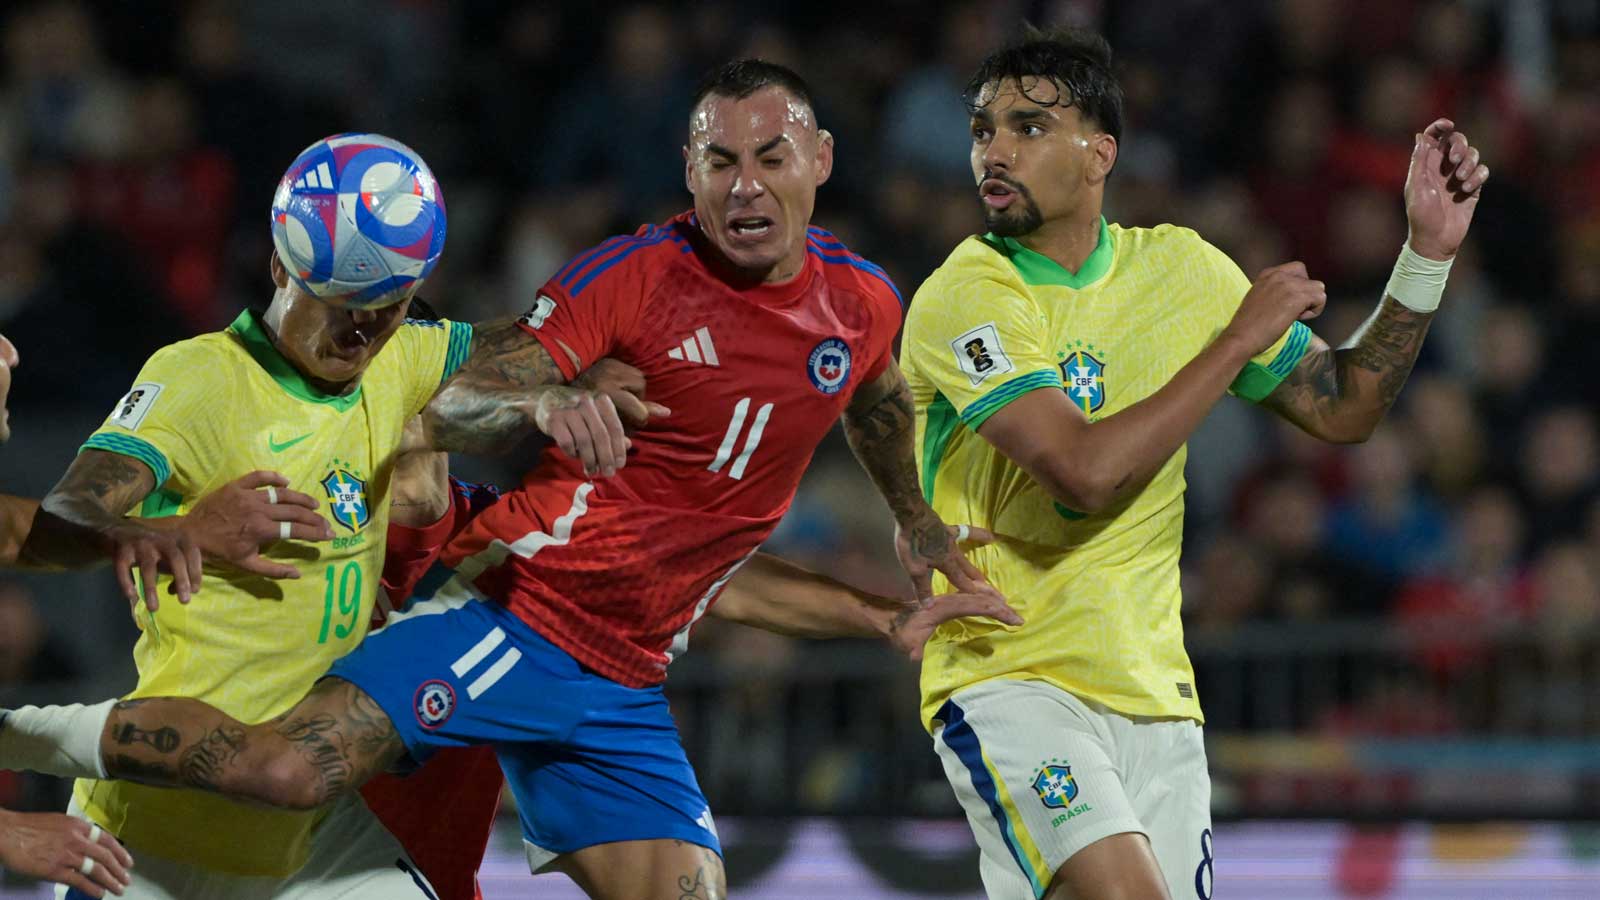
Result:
pixel 347 499
pixel 829 365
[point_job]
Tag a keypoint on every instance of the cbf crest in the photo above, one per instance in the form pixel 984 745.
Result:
pixel 347 498
pixel 1055 785
pixel 1083 377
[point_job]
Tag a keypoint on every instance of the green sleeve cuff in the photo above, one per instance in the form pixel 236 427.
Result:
pixel 1257 380
pixel 138 448
pixel 979 410
pixel 460 345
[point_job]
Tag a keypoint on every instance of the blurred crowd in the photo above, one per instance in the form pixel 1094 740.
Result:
pixel 140 143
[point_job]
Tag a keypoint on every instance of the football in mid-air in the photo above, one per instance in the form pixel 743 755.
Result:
pixel 357 219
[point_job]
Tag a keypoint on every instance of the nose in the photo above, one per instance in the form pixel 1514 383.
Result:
pixel 1000 155
pixel 363 316
pixel 747 184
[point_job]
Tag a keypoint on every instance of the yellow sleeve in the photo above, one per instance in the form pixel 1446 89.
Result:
pixel 977 340
pixel 430 352
pixel 168 420
pixel 1268 368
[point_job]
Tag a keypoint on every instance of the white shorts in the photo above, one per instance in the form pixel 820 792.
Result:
pixel 353 857
pixel 1043 774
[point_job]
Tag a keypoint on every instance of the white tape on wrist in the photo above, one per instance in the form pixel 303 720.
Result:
pixel 1418 282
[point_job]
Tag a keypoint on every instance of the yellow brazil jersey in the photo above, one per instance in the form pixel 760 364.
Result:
pixel 203 413
pixel 1099 593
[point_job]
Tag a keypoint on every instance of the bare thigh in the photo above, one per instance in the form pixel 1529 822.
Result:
pixel 1119 867
pixel 647 870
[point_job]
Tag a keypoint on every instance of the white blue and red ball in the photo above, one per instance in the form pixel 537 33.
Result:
pixel 358 219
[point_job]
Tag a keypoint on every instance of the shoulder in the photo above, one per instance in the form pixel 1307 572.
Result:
pixel 624 258
pixel 1165 240
pixel 847 269
pixel 974 265
pixel 216 353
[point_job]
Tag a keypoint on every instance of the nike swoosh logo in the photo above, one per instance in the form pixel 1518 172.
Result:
pixel 279 448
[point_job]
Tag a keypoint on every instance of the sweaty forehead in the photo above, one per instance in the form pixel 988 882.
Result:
pixel 1027 93
pixel 735 122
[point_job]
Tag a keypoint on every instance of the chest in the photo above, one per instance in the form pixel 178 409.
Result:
pixel 1115 348
pixel 738 373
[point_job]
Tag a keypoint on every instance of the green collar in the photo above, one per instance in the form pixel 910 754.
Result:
pixel 256 342
pixel 1036 268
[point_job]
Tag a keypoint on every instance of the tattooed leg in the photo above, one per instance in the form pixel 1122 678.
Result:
pixel 628 870
pixel 330 743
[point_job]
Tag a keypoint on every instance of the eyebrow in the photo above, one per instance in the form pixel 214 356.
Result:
pixel 724 152
pixel 1016 116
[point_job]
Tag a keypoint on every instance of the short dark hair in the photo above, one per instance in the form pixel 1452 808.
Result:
pixel 1078 62
pixel 742 77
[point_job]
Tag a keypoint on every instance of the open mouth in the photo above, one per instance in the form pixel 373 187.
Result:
pixel 996 194
pixel 750 227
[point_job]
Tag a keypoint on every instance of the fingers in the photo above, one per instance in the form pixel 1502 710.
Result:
pixel 305 524
pixel 971 534
pixel 149 566
pixel 657 411
pixel 118 852
pixel 108 871
pixel 287 497
pixel 191 556
pixel 562 435
pixel 594 448
pixel 123 564
pixel 1296 268
pixel 613 426
pixel 261 478
pixel 960 606
pixel 177 562
pixel 1438 129
pixel 256 564
pixel 922 583
pixel 631 410
pixel 77 882
pixel 1467 164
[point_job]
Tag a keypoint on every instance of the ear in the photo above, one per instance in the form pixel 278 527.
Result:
pixel 1103 150
pixel 280 275
pixel 688 170
pixel 824 155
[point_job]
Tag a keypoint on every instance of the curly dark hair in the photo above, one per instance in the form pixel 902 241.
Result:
pixel 1077 62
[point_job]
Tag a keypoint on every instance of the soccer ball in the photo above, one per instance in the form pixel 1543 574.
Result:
pixel 358 219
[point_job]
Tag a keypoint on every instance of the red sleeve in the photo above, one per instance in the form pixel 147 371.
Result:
pixel 886 317
pixel 594 301
pixel 412 550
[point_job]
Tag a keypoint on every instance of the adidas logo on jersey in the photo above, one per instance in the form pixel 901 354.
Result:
pixel 697 349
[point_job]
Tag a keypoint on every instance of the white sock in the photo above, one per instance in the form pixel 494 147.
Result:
pixel 55 740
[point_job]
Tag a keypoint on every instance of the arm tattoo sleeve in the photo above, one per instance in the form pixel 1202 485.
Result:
pixel 1342 395
pixel 489 405
pixel 97 491
pixel 880 426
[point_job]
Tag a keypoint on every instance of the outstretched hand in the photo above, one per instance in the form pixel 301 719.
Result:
pixel 233 523
pixel 1442 189
pixel 64 849
pixel 916 620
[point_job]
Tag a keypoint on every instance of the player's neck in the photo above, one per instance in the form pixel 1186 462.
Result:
pixel 270 324
pixel 1067 241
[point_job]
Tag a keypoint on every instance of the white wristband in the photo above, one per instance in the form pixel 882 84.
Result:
pixel 1418 282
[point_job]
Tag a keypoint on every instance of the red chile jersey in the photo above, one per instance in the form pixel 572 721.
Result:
pixel 616 570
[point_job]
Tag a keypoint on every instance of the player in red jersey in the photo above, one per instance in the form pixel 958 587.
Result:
pixel 759 333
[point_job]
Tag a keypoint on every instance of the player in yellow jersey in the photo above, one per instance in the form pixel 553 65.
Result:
pixel 1059 364
pixel 320 393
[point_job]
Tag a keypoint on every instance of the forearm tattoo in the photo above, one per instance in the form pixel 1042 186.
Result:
pixel 881 432
pixel 1344 393
pixel 98 489
pixel 489 404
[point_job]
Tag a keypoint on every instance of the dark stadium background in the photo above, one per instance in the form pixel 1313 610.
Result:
pixel 1396 643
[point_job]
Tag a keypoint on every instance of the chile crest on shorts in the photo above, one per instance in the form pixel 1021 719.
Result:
pixel 829 365
pixel 434 703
